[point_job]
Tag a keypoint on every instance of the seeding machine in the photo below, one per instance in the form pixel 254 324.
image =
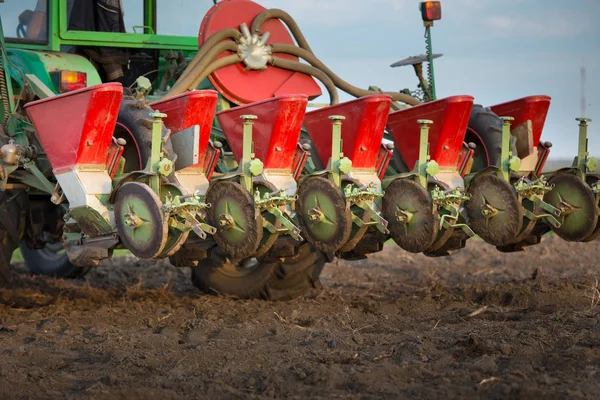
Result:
pixel 205 153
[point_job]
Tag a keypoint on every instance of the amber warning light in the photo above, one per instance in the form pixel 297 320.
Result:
pixel 431 11
pixel 67 81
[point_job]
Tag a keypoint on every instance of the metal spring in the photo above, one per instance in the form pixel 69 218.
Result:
pixel 429 50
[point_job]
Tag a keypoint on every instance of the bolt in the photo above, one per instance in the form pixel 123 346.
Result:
pixel 315 215
pixel 226 221
pixel 132 220
pixel 488 211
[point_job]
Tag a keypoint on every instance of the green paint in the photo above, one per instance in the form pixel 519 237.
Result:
pixel 136 216
pixel 423 164
pixel 43 64
pixel 156 152
pixel 584 163
pixel 336 150
pixel 505 152
pixel 232 217
pixel 324 227
pixel 247 152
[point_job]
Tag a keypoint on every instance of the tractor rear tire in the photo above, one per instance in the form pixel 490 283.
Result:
pixel 12 223
pixel 50 261
pixel 285 279
pixel 134 124
pixel 485 130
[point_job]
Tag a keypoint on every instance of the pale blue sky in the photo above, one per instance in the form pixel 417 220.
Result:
pixel 493 50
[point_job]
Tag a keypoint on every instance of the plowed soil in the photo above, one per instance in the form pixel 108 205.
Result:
pixel 478 324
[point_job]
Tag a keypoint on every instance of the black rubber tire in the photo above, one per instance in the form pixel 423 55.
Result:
pixel 485 130
pixel 282 280
pixel 134 124
pixel 50 261
pixel 12 224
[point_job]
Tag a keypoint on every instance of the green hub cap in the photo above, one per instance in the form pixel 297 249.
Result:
pixel 239 230
pixel 494 211
pixel 140 221
pixel 323 215
pixel 176 238
pixel 576 201
pixel 408 208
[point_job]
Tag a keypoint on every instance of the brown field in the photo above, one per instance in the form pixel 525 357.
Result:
pixel 478 324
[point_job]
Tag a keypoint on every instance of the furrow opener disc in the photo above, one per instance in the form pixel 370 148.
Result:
pixel 494 211
pixel 140 220
pixel 323 214
pixel 575 197
pixel 232 212
pixel 408 208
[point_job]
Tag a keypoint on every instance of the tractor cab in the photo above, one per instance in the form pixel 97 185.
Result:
pixel 83 43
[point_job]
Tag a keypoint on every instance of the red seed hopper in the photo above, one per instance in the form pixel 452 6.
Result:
pixel 450 118
pixel 362 129
pixel 275 132
pixel 197 107
pixel 76 128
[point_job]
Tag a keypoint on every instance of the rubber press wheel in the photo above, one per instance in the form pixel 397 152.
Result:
pixel 408 208
pixel 323 214
pixel 140 220
pixel 571 192
pixel 494 211
pixel 232 212
pixel 284 279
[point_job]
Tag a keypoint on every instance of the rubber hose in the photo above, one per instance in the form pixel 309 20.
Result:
pixel 339 82
pixel 228 33
pixel 285 17
pixel 183 83
pixel 307 69
pixel 212 67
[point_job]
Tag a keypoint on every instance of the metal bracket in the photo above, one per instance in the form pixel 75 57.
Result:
pixel 583 163
pixel 425 167
pixel 271 203
pixel 45 184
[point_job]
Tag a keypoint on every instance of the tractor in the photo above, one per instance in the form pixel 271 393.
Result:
pixel 202 149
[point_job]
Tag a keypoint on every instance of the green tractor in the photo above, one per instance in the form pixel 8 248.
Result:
pixel 115 134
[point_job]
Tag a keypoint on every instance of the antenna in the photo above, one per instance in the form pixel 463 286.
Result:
pixel 583 101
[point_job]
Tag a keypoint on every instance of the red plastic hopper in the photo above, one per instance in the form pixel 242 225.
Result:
pixel 534 108
pixel 275 133
pixel 362 130
pixel 197 107
pixel 76 128
pixel 450 118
